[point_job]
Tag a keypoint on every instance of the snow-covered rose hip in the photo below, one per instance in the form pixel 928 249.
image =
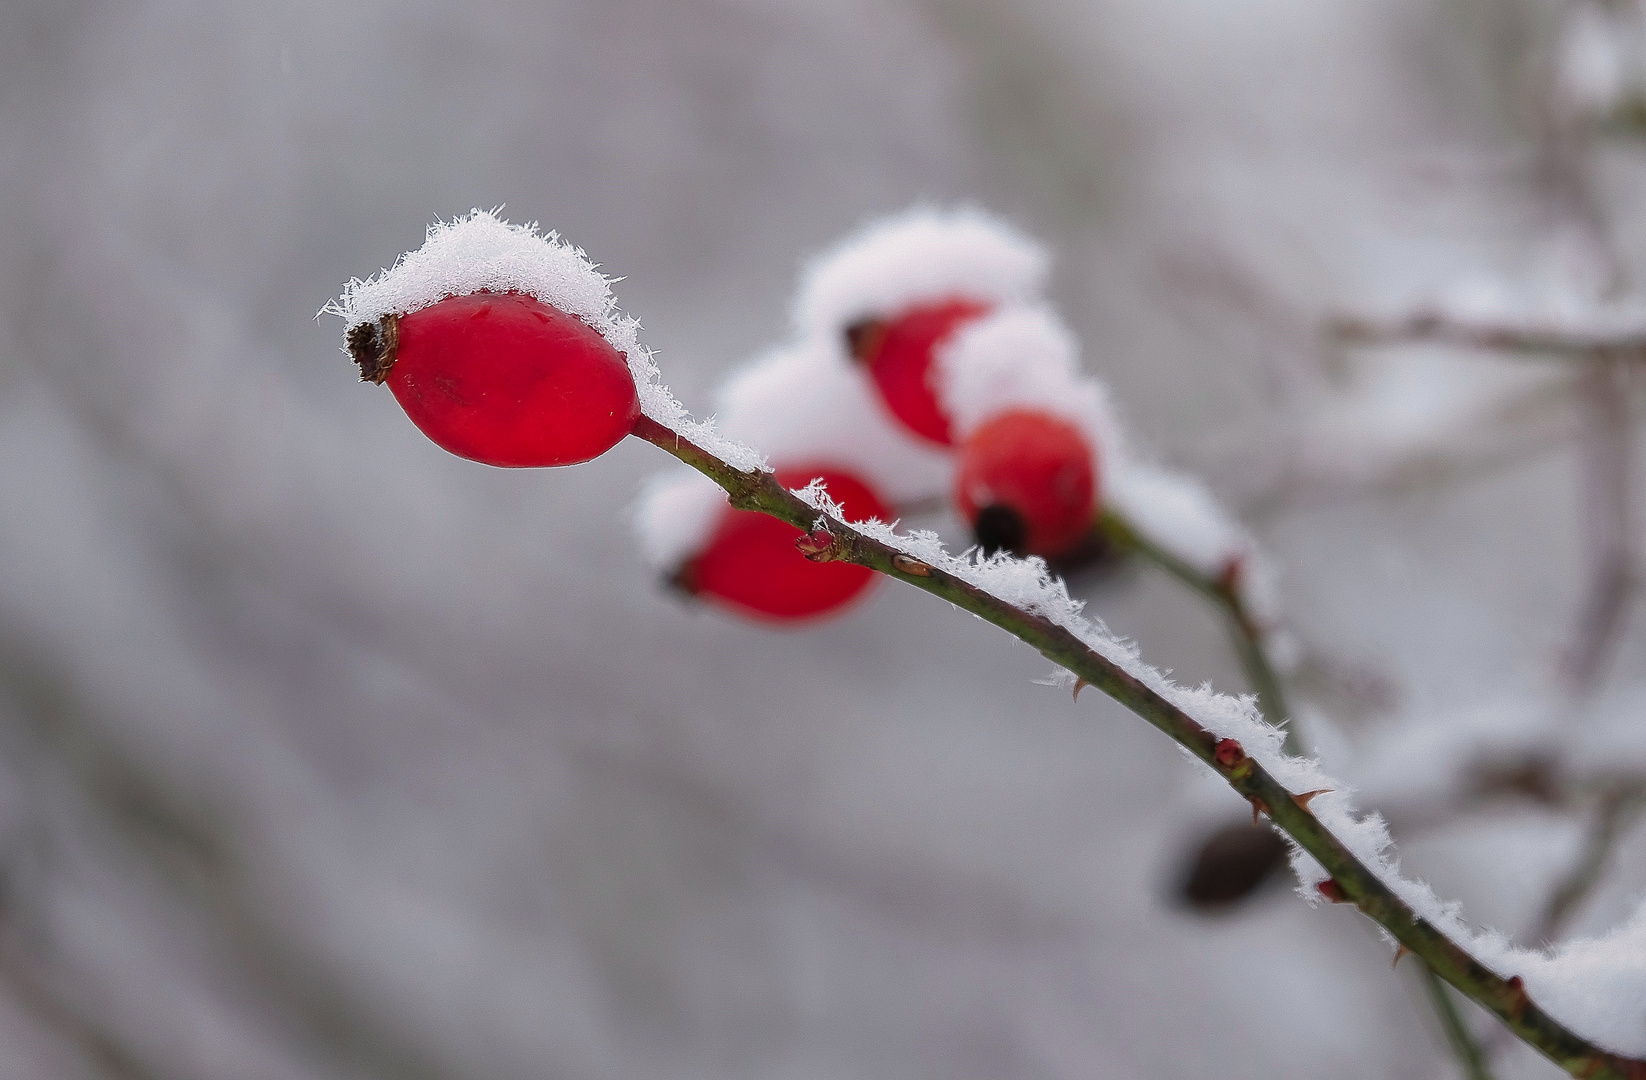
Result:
pixel 892 294
pixel 898 352
pixel 503 345
pixel 1027 483
pixel 750 564
pixel 502 378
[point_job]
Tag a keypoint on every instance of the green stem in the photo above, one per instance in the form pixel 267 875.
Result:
pixel 1617 808
pixel 1506 998
pixel 1462 1040
pixel 1224 592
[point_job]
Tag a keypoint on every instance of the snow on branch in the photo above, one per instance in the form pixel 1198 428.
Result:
pixel 484 253
pixel 1582 1005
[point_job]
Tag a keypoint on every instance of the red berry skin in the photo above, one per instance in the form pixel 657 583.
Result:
pixel 898 353
pixel 505 379
pixel 750 564
pixel 1036 465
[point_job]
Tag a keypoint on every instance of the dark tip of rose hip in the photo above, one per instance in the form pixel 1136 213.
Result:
pixel 863 337
pixel 373 346
pixel 1232 864
pixel 683 581
pixel 1000 528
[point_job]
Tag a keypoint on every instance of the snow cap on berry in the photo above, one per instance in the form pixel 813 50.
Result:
pixel 1023 357
pixel 484 253
pixel 921 255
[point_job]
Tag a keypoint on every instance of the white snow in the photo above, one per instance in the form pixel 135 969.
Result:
pixel 1023 356
pixel 676 511
pixel 1591 70
pixel 484 253
pixel 800 407
pixel 923 254
pixel 1597 987
pixel 1176 512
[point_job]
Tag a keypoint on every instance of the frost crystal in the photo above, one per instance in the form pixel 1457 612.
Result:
pixel 484 253
pixel 923 254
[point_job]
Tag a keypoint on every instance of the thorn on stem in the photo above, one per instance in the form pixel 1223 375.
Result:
pixel 1332 891
pixel 1259 807
pixel 1079 685
pixel 1229 753
pixel 1402 951
pixel 1307 797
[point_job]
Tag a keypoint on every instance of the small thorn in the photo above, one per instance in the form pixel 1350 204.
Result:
pixel 911 566
pixel 1259 807
pixel 1228 753
pixel 1402 951
pixel 1079 685
pixel 1518 1004
pixel 1307 797
pixel 1332 891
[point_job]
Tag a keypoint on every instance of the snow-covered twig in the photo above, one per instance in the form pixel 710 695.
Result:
pixel 1622 333
pixel 1249 634
pixel 1051 629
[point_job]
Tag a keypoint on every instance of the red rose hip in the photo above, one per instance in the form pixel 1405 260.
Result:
pixel 503 379
pixel 898 353
pixel 751 566
pixel 1027 484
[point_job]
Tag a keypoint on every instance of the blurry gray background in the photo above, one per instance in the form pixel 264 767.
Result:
pixel 324 754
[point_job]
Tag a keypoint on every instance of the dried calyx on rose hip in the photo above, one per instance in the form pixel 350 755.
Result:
pixel 503 346
pixel 1026 482
pixel 749 563
pixel 890 295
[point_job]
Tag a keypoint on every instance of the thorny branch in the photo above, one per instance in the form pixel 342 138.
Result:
pixel 1351 880
pixel 1250 636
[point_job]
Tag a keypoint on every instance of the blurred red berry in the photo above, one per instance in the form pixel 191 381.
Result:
pixel 898 354
pixel 503 379
pixel 750 563
pixel 1027 484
